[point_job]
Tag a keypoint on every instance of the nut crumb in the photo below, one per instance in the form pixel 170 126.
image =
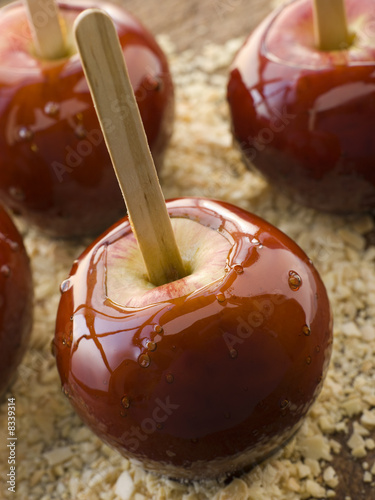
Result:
pixel 330 477
pixel 367 477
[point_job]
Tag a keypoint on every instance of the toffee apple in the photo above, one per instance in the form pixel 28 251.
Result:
pixel 206 375
pixel 301 94
pixel 16 297
pixel 54 166
pixel 195 338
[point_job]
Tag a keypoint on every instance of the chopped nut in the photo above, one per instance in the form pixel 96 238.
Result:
pixel 367 477
pixel 364 225
pixel 351 330
pixel 293 485
pixel 313 465
pixel 368 419
pixel 124 486
pixel 327 424
pixel 315 447
pixel 236 489
pixel 303 470
pixel 357 444
pixel 352 406
pixel 330 477
pixel 314 489
pixel 58 455
pixel 352 239
pixel 370 444
pixel 359 429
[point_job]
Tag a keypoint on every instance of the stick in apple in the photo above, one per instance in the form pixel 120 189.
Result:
pixel 46 28
pixel 108 79
pixel 330 25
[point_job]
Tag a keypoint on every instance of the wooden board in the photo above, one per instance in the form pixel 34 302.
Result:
pixel 191 23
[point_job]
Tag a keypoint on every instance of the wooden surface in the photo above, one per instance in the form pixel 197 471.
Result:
pixel 191 23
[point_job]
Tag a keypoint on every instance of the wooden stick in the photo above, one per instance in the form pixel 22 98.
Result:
pixel 122 127
pixel 46 28
pixel 330 25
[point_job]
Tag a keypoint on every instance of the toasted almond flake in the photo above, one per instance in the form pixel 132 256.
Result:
pixel 368 333
pixel 369 399
pixel 236 489
pixel 315 447
pixel 359 452
pixel 327 424
pixel 368 419
pixel 367 477
pixel 293 485
pixel 315 489
pixel 330 477
pixel 367 366
pixel 74 486
pixel 352 406
pixel 353 239
pixel 58 455
pixel 370 254
pixel 364 224
pixel 303 470
pixel 36 477
pixel 314 466
pixel 124 486
pixel 351 330
pixel 359 429
pixel 356 441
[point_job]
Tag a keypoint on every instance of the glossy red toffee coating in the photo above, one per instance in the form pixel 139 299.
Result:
pixel 205 384
pixel 54 165
pixel 304 117
pixel 16 298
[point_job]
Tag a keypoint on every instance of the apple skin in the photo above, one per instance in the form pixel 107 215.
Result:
pixel 230 372
pixel 54 165
pixel 16 300
pixel 303 117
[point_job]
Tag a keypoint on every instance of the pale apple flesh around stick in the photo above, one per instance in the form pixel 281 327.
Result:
pixel 330 25
pixel 48 35
pixel 108 79
pixel 204 252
